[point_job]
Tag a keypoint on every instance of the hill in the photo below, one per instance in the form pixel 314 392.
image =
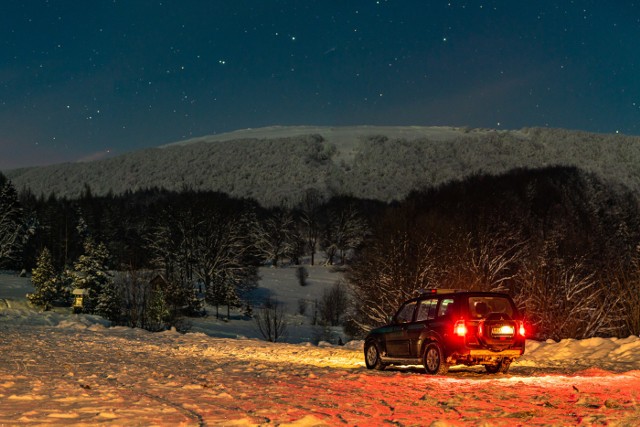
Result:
pixel 275 165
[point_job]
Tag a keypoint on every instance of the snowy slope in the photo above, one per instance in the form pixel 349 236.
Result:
pixel 385 163
pixel 73 370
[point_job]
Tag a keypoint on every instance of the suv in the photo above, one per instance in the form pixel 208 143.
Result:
pixel 444 327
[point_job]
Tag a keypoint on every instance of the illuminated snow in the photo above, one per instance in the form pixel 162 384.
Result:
pixel 73 370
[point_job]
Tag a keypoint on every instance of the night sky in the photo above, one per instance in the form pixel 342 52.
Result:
pixel 86 79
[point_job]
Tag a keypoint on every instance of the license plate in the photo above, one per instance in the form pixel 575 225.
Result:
pixel 503 330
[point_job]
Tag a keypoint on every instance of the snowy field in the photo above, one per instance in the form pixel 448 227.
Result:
pixel 60 369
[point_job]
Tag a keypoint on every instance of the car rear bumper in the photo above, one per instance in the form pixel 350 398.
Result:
pixel 514 352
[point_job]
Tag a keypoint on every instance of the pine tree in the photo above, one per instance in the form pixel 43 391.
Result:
pixel 14 231
pixel 46 282
pixel 90 272
pixel 157 311
pixel 109 302
pixel 195 305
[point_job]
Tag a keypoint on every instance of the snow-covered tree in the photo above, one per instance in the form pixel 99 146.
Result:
pixel 90 272
pixel 277 236
pixel 344 231
pixel 109 302
pixel 157 312
pixel 222 291
pixel 14 228
pixel 389 269
pixel 46 282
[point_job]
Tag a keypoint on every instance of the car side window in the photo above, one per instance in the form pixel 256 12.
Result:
pixel 427 310
pixel 405 314
pixel 445 307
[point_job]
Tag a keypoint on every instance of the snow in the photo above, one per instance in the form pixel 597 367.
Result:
pixel 62 369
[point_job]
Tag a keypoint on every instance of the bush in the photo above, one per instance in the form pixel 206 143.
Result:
pixel 334 304
pixel 301 275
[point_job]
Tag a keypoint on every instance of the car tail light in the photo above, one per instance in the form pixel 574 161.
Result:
pixel 521 330
pixel 460 328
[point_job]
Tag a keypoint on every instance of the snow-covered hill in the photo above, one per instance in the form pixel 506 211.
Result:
pixel 275 164
pixel 74 370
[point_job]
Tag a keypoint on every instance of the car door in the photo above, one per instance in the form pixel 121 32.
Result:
pixel 442 325
pixel 397 339
pixel 425 312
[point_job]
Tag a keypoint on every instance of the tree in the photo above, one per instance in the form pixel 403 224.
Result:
pixel 15 230
pixel 90 272
pixel 271 321
pixel 310 213
pixel 277 236
pixel 46 282
pixel 109 302
pixel 345 230
pixel 212 246
pixel 396 261
pixel 158 313
pixel 334 304
pixel 302 274
pixel 625 282
pixel 491 261
pixel 563 299
pixel 135 288
pixel 223 254
pixel 222 291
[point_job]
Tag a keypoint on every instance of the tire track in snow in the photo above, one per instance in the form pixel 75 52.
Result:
pixel 188 412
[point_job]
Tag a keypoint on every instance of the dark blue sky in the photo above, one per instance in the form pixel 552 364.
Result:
pixel 85 79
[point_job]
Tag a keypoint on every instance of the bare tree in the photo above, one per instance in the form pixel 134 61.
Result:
pixel 562 300
pixel 134 286
pixel 397 261
pixel 334 304
pixel 345 230
pixel 277 236
pixel 311 220
pixel 270 320
pixel 625 282
pixel 491 262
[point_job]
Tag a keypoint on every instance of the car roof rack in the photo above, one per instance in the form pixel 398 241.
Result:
pixel 439 291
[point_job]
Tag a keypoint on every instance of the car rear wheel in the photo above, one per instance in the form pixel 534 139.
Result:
pixel 372 356
pixel 433 360
pixel 501 367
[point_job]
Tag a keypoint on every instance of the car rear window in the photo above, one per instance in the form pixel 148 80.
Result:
pixel 480 307
pixel 445 307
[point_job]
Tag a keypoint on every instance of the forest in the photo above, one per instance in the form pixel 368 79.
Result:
pixel 378 163
pixel 563 242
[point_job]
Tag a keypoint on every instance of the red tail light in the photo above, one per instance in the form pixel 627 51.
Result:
pixel 460 328
pixel 521 330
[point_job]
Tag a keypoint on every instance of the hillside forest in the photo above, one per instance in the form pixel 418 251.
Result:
pixel 564 243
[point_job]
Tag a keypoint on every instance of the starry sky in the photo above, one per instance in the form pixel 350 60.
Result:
pixel 83 80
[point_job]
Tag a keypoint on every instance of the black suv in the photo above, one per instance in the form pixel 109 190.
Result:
pixel 444 327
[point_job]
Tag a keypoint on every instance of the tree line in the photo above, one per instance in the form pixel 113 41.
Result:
pixel 563 242
pixel 199 246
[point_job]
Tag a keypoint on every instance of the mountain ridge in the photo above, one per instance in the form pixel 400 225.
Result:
pixel 277 164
